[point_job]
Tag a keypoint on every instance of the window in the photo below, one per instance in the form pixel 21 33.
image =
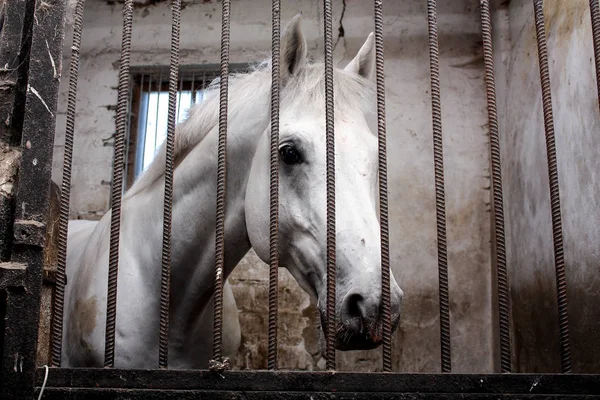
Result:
pixel 150 109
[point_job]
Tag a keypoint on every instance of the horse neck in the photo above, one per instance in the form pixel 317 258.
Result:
pixel 194 207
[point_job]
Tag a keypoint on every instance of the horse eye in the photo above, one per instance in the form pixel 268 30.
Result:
pixel 289 155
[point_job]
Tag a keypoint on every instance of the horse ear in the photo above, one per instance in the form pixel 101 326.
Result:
pixel 293 49
pixel 364 62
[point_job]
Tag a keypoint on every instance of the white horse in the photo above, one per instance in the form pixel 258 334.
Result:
pixel 79 234
pixel 302 216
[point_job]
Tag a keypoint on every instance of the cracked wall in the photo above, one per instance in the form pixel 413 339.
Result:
pixel 411 180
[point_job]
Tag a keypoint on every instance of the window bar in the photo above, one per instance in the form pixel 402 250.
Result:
pixel 128 135
pixel 559 259
pixel 595 14
pixel 193 90
pixel 115 222
pixel 218 363
pixel 142 145
pixel 383 189
pixel 440 202
pixel 139 139
pixel 330 142
pixel 61 277
pixel 497 198
pixel 165 278
pixel 178 106
pixel 158 91
pixel 274 187
pixel 204 84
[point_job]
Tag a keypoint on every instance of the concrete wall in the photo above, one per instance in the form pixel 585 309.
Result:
pixel 527 201
pixel 411 180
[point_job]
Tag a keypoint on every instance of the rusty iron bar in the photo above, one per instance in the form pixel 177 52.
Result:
pixel 559 256
pixel 274 186
pixel 595 15
pixel 217 363
pixel 63 227
pixel 440 202
pixel 330 161
pixel 165 277
pixel 497 198
pixel 383 189
pixel 117 185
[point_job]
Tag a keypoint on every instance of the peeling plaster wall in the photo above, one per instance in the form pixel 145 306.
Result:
pixel 411 180
pixel 525 172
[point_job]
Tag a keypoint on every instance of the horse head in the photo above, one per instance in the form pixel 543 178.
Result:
pixel 302 191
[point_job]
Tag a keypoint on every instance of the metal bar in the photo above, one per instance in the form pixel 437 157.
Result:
pixel 193 90
pixel 197 69
pixel 497 198
pixel 22 312
pixel 274 186
pixel 132 394
pixel 595 15
pixel 179 93
pixel 323 381
pixel 158 92
pixel 218 363
pixel 165 277
pixel 139 139
pixel 65 191
pixel 330 142
pixel 383 190
pixel 142 126
pixel 117 186
pixel 128 134
pixel 440 201
pixel 559 256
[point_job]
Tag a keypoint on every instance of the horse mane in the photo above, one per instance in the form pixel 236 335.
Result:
pixel 351 92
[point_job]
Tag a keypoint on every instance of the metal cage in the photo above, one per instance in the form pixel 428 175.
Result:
pixel 33 104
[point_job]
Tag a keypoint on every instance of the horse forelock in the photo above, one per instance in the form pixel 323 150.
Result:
pixel 352 94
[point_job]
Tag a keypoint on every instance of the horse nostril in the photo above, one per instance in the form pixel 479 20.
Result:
pixel 354 306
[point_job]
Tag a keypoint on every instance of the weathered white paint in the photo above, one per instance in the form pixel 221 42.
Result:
pixel 412 199
pixel 527 200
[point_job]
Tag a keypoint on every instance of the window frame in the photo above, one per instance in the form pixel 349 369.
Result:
pixel 192 77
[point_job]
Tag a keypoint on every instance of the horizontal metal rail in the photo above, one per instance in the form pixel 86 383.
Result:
pixel 74 382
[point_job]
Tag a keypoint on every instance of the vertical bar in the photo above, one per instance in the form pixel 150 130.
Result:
pixel 117 186
pixel 497 198
pixel 158 91
pixel 383 191
pixel 141 122
pixel 63 222
pixel 595 14
pixel 330 141
pixel 559 257
pixel 128 135
pixel 193 91
pixel 217 362
pixel 36 136
pixel 179 93
pixel 165 277
pixel 440 201
pixel 143 127
pixel 274 187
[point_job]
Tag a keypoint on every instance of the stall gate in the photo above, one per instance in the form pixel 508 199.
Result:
pixel 32 43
